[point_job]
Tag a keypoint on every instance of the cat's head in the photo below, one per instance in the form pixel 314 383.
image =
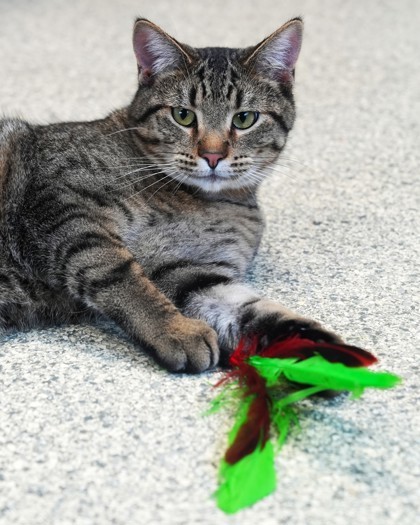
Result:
pixel 214 118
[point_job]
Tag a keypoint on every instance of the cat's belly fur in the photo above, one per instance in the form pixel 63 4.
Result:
pixel 218 233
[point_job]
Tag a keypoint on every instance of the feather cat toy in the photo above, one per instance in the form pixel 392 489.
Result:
pixel 261 379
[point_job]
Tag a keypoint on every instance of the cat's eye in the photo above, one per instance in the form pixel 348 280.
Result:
pixel 183 116
pixel 245 119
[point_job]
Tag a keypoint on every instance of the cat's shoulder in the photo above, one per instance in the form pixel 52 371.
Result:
pixel 11 132
pixel 12 128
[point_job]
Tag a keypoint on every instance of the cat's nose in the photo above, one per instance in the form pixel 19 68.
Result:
pixel 212 158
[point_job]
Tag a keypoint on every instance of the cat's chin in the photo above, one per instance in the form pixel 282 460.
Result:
pixel 214 183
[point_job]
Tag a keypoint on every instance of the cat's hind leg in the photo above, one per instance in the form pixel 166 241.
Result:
pixel 13 300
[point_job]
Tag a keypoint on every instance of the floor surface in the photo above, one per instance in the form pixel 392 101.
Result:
pixel 91 431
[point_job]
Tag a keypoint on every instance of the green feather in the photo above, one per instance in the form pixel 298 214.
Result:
pixel 247 481
pixel 319 372
pixel 250 479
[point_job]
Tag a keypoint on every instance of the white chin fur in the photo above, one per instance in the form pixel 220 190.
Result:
pixel 214 185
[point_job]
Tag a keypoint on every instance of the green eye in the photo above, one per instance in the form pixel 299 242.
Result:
pixel 245 119
pixel 183 116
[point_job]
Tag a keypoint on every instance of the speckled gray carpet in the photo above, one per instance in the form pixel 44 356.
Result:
pixel 91 431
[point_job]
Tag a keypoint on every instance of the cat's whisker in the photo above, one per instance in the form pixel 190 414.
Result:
pixel 254 177
pixel 149 186
pixel 166 183
pixel 121 131
pixel 139 170
pixel 277 166
pixel 138 161
pixel 144 166
pixel 255 172
pixel 165 159
pixel 143 176
pixel 281 156
pixel 184 178
pixel 148 159
pixel 140 165
pixel 284 161
pixel 150 166
pixel 170 178
pixel 282 172
pixel 293 160
pixel 137 180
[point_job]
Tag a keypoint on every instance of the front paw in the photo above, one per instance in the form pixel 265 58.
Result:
pixel 187 345
pixel 272 321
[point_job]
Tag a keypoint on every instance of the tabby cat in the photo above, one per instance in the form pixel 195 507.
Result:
pixel 149 217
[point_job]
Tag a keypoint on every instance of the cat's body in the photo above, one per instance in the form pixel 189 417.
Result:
pixel 146 218
pixel 160 226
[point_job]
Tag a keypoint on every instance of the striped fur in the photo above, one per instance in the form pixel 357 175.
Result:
pixel 122 218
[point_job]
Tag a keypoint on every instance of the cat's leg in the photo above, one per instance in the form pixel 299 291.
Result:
pixel 99 271
pixel 15 303
pixel 235 309
pixel 7 295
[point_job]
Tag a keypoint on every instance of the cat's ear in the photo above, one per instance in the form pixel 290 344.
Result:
pixel 276 56
pixel 156 51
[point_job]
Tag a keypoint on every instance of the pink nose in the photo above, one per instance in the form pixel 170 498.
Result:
pixel 212 158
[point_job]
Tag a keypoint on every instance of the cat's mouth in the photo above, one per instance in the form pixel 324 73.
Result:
pixel 213 181
pixel 213 176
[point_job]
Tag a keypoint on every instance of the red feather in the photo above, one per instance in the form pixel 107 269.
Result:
pixel 296 346
pixel 247 347
pixel 256 428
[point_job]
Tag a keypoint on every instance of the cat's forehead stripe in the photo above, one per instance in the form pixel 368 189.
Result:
pixel 217 76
